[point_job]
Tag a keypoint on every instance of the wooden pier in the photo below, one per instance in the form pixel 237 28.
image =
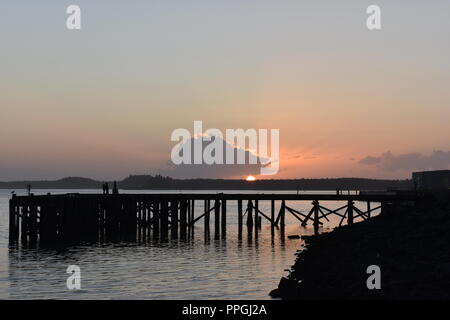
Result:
pixel 68 217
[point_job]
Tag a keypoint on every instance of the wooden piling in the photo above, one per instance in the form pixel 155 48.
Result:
pixel 52 218
pixel 282 216
pixel 224 217
pixel 189 217
pixel 272 217
pixel 24 224
pixel 192 211
pixel 148 205
pixel 12 220
pixel 183 217
pixel 316 212
pixel 383 208
pixel 164 213
pixel 206 219
pixel 316 222
pixel 140 215
pixel 43 224
pixel 256 217
pixel 250 214
pixel 216 218
pixel 17 222
pixel 192 217
pixel 240 218
pixel 33 224
pixel 155 219
pixel 174 218
pixel 144 218
pixel 350 212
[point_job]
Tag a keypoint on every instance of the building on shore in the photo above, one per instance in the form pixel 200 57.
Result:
pixel 431 180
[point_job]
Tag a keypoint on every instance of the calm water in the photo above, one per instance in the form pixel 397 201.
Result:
pixel 218 269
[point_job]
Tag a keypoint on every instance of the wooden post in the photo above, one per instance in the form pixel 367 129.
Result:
pixel 183 223
pixel 189 220
pixel 206 218
pixel 272 217
pixel 224 217
pixel 155 219
pixel 116 212
pixel 101 217
pixel 138 208
pixel 282 217
pixel 192 217
pixel 146 217
pixel 240 218
pixel 256 217
pixel 368 209
pixel 250 215
pixel 216 218
pixel 43 224
pixel 93 219
pixel 17 222
pixel 94 215
pixel 192 210
pixel 148 204
pixel 383 208
pixel 350 212
pixel 110 217
pixel 134 210
pixel 133 207
pixel 33 223
pixel 316 216
pixel 174 218
pixel 130 211
pixel 164 213
pixel 24 222
pixel 51 222
pixel 140 217
pixel 12 220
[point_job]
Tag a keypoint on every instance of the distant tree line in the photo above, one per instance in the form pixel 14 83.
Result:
pixel 150 182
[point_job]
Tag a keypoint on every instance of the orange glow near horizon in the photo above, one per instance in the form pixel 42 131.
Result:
pixel 250 178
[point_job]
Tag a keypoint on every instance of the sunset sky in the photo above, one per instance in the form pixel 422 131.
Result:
pixel 102 102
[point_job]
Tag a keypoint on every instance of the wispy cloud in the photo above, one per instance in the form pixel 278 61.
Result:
pixel 388 161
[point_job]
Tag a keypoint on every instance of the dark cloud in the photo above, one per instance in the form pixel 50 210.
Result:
pixel 409 161
pixel 370 160
pixel 216 170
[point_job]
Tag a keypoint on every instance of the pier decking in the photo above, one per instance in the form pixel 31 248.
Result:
pixel 53 218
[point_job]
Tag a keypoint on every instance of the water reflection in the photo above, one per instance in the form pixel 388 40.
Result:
pixel 229 267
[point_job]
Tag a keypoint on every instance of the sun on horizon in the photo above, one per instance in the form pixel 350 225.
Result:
pixel 250 178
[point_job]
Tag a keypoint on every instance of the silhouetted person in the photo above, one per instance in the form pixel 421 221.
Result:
pixel 115 190
pixel 28 189
pixel 106 188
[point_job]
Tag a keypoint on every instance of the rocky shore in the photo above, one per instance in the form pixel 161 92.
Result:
pixel 411 246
